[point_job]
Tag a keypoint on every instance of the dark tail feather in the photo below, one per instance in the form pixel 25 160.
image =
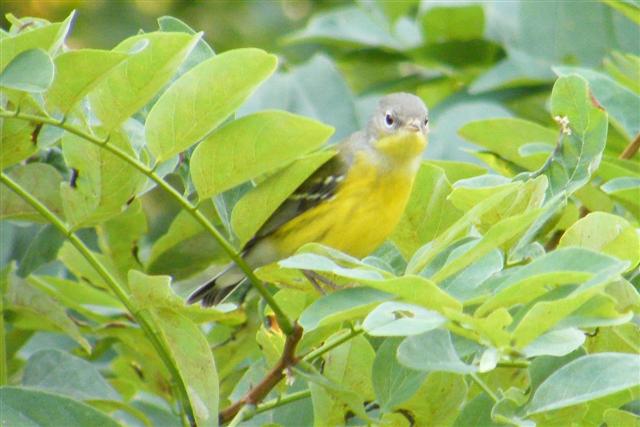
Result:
pixel 213 292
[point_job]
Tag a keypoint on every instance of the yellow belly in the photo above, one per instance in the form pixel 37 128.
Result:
pixel 364 212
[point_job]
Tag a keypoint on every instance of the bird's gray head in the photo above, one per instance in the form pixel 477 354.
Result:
pixel 398 112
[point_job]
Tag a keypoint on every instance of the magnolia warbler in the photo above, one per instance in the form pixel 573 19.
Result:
pixel 351 203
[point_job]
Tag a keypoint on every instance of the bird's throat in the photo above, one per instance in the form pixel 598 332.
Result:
pixel 402 147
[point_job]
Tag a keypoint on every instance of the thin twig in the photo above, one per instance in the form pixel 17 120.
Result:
pixel 3 339
pixel 330 345
pixel 518 364
pixel 631 149
pixel 287 360
pixel 283 320
pixel 280 401
pixel 255 395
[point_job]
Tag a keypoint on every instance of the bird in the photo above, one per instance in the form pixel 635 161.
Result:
pixel 351 203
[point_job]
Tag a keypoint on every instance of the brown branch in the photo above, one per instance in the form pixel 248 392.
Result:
pixel 273 377
pixel 553 241
pixel 631 149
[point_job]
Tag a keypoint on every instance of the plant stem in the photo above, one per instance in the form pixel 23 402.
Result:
pixel 259 391
pixel 328 346
pixel 483 386
pixel 140 315
pixel 280 401
pixel 3 339
pixel 284 322
pixel 246 412
pixel 519 364
pixel 631 149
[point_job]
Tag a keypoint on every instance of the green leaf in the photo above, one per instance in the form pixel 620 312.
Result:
pixel 134 82
pixel 395 319
pixel 517 69
pixel 314 89
pixel 348 27
pixel 612 167
pixel 622 105
pixel 425 255
pixel 62 373
pixel 313 256
pixel 17 141
pixel 201 52
pixel 47 37
pixel 585 379
pixel 497 236
pixel 393 382
pixel 490 329
pixel 33 408
pixel 253 209
pixel 625 68
pixel 561 267
pixel 442 23
pixel 188 346
pixel 346 382
pixel 629 9
pixel 542 367
pixel 432 351
pixel 507 137
pixel 416 290
pixel 250 146
pixel 350 366
pixel 618 417
pixel 470 283
pixel 579 153
pixel 77 264
pixel 42 181
pixel 395 10
pixel 428 212
pixel 341 305
pixel 203 98
pixel 155 292
pixel 477 412
pixel 42 249
pixel 456 171
pixel 606 233
pixel 469 192
pixel 186 247
pixel 118 237
pixel 625 190
pixel 545 315
pixel 438 400
pixel 555 343
pixel 79 296
pixel 77 73
pixel 30 71
pixel 46 312
pixel 104 182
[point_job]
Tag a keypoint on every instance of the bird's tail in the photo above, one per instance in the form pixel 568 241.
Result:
pixel 217 289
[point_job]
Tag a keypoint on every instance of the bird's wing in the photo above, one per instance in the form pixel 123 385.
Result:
pixel 317 188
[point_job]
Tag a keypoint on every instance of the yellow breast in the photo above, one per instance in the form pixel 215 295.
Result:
pixel 364 211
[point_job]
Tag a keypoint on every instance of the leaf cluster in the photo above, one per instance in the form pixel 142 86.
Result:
pixel 508 294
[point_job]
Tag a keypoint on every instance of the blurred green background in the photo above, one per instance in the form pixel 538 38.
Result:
pixel 468 60
pixel 227 23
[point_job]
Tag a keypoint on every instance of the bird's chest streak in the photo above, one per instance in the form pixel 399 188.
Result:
pixel 363 213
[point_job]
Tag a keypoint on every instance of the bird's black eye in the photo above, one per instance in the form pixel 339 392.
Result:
pixel 426 122
pixel 388 119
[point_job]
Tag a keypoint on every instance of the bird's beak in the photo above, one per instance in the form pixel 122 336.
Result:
pixel 413 126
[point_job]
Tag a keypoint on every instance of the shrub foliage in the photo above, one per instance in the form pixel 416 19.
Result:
pixel 503 298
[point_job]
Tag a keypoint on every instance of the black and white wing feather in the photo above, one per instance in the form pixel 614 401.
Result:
pixel 319 187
